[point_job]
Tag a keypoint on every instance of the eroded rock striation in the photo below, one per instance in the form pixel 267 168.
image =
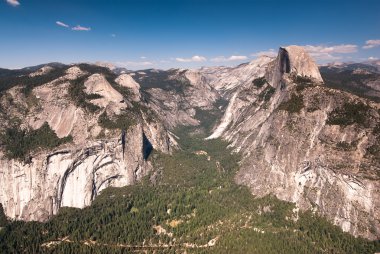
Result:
pixel 292 60
pixel 110 146
pixel 70 176
pixel 308 144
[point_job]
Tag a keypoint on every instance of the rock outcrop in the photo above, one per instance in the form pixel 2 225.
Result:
pixel 74 174
pixel 97 84
pixel 302 142
pixel 227 79
pixel 176 95
pixel 127 81
pixel 292 60
pixel 70 176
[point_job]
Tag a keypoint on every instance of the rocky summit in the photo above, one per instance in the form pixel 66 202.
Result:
pixel 307 143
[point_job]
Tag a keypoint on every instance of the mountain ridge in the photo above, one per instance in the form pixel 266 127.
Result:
pixel 255 102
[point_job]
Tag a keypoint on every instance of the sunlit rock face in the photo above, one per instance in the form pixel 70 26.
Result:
pixel 292 151
pixel 73 174
pixel 177 94
pixel 127 81
pixel 292 60
pixel 227 79
pixel 70 176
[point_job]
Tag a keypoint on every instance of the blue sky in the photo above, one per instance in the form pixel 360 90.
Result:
pixel 184 33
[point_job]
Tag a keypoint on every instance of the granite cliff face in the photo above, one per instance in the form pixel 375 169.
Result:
pixel 302 140
pixel 176 95
pixel 70 176
pixel 73 174
pixel 308 144
pixel 227 79
pixel 292 60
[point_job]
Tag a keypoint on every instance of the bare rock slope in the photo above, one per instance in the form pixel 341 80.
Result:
pixel 308 144
pixel 111 137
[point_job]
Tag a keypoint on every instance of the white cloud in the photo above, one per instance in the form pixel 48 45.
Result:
pixel 192 59
pixel 319 52
pixel 342 49
pixel 371 44
pixel 371 58
pixel 143 57
pixel 270 53
pixel 81 28
pixel 328 53
pixel 229 59
pixel 61 24
pixel 13 2
pixel 132 63
pixel 320 56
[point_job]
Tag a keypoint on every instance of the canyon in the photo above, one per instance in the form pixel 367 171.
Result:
pixel 301 140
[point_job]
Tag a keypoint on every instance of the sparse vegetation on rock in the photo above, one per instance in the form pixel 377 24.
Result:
pixel 267 93
pixel 77 94
pixel 293 105
pixel 259 82
pixel 122 121
pixel 20 143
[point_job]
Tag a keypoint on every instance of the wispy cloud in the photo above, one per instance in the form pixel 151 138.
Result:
pixel 328 53
pixel 319 52
pixel 371 44
pixel 192 59
pixel 81 28
pixel 134 63
pixel 113 35
pixel 14 3
pixel 142 57
pixel 324 56
pixel 371 58
pixel 229 59
pixel 342 48
pixel 61 24
pixel 270 53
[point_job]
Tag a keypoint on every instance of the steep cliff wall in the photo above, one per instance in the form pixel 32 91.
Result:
pixel 292 60
pixel 306 143
pixel 110 146
pixel 70 176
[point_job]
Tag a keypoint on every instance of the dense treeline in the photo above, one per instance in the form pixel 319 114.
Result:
pixel 162 79
pixel 122 121
pixel 350 113
pixel 3 218
pixel 259 82
pixel 28 82
pixel 19 143
pixel 293 105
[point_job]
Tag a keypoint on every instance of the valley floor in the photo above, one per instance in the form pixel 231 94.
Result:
pixel 189 204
